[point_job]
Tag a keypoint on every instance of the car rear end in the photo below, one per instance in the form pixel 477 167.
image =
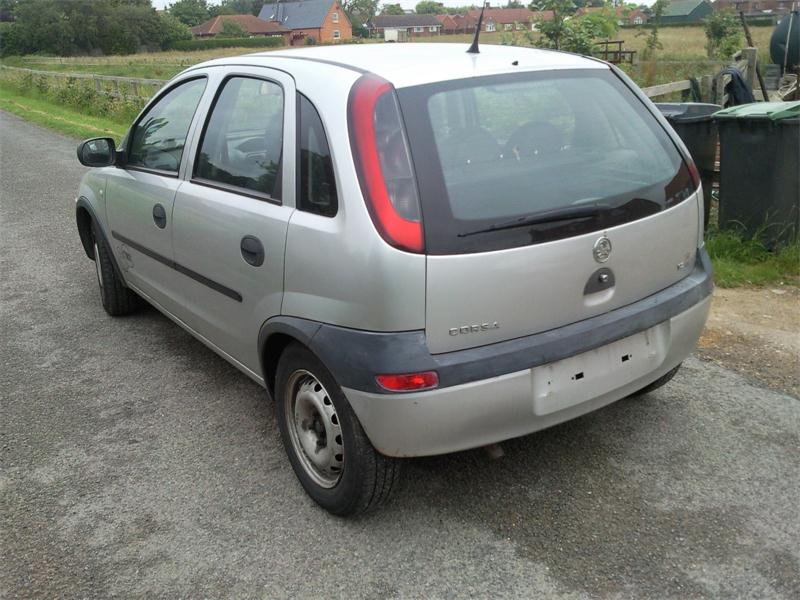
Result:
pixel 560 219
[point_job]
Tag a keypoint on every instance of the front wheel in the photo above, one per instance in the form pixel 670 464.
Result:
pixel 327 447
pixel 117 299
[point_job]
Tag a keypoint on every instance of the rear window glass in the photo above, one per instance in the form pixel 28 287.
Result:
pixel 495 150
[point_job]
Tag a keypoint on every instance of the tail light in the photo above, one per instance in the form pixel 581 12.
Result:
pixel 383 163
pixel 695 173
pixel 409 382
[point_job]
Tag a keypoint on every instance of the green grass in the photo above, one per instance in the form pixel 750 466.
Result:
pixel 64 120
pixel 740 261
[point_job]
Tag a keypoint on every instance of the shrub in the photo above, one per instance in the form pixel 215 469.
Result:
pixel 723 34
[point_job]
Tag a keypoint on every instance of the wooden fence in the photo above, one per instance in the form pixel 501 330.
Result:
pixel 712 88
pixel 119 87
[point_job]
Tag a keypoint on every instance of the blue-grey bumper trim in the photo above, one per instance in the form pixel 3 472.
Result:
pixel 355 357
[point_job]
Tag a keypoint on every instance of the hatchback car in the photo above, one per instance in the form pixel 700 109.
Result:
pixel 414 249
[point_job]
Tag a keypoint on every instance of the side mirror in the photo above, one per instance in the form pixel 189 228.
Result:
pixel 97 152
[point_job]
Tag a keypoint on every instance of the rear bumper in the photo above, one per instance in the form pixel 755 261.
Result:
pixel 499 408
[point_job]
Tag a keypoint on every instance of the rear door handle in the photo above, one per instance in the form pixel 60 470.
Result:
pixel 159 216
pixel 252 251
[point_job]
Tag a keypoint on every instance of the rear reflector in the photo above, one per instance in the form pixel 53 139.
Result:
pixel 409 382
pixel 383 163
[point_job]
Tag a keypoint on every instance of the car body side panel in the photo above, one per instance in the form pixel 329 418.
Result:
pixel 339 270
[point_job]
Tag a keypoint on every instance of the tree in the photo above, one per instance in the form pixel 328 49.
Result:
pixel 359 12
pixel 652 43
pixel 429 7
pixel 514 4
pixel 231 29
pixel 172 30
pixel 235 7
pixel 554 30
pixel 392 9
pixel 723 34
pixel 190 12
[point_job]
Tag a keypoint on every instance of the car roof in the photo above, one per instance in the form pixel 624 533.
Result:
pixel 407 64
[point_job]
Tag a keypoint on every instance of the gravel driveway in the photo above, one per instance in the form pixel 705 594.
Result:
pixel 136 462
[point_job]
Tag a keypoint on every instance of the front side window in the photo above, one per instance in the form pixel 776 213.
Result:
pixel 335 17
pixel 316 182
pixel 158 138
pixel 336 34
pixel 243 141
pixel 419 29
pixel 504 148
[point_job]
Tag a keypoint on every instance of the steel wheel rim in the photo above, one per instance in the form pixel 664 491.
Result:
pixel 314 428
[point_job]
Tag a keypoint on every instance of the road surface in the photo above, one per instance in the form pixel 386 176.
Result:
pixel 136 462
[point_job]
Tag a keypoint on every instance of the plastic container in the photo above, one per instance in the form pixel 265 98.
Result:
pixel 694 124
pixel 760 170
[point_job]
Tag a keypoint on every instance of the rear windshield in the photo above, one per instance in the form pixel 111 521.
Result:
pixel 575 146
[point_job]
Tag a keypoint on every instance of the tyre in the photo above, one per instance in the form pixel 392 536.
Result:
pixel 117 299
pixel 665 378
pixel 329 451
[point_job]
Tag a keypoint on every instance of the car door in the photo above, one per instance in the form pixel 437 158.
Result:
pixel 140 194
pixel 231 213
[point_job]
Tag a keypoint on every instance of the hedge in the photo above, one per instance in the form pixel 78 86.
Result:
pixel 254 42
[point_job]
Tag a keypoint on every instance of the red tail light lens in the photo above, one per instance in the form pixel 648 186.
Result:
pixel 410 382
pixel 383 163
pixel 693 171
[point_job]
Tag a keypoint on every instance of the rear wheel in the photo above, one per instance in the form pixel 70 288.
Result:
pixel 117 299
pixel 329 451
pixel 665 378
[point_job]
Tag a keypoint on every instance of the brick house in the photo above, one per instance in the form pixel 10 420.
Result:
pixel 324 21
pixel 254 27
pixel 755 8
pixel 507 19
pixel 413 25
pixel 448 23
pixel 623 14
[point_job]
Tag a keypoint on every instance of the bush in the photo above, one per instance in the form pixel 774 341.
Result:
pixel 256 42
pixel 723 34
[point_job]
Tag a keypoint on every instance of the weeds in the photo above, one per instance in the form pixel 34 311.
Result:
pixel 739 260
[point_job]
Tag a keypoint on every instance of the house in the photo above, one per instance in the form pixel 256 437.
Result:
pixel 251 24
pixel 322 21
pixel 508 19
pixel 686 11
pixel 623 14
pixel 448 23
pixel 388 26
pixel 756 8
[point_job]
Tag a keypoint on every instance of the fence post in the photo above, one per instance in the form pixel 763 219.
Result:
pixel 134 88
pixel 750 55
pixel 707 88
pixel 98 86
pixel 116 86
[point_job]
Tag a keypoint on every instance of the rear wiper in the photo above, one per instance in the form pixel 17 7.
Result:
pixel 568 213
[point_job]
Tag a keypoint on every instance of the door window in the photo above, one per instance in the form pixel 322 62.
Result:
pixel 317 185
pixel 242 144
pixel 159 137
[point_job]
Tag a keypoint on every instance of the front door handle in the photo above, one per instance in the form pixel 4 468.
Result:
pixel 159 216
pixel 252 251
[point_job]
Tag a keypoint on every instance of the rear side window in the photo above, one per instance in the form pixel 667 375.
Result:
pixel 158 138
pixel 242 144
pixel 494 150
pixel 316 182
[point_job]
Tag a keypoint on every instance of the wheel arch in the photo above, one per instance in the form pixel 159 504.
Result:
pixel 273 338
pixel 85 218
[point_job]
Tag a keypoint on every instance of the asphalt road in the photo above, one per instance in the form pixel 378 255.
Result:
pixel 136 462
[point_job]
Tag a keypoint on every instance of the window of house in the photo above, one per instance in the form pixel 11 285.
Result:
pixel 432 29
pixel 520 26
pixel 316 189
pixel 335 17
pixel 637 20
pixel 159 137
pixel 507 26
pixel 336 34
pixel 419 29
pixel 490 26
pixel 242 143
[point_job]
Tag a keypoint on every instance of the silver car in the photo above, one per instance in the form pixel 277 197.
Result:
pixel 414 249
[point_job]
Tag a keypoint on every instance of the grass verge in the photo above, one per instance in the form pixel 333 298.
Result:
pixel 740 261
pixel 63 120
